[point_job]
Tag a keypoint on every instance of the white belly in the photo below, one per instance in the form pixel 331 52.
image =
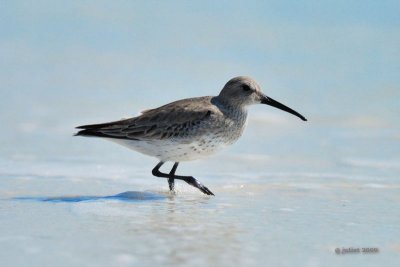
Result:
pixel 175 150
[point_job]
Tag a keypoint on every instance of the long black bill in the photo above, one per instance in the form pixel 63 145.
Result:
pixel 269 101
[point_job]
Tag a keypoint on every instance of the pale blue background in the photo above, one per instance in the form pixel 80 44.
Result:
pixel 66 63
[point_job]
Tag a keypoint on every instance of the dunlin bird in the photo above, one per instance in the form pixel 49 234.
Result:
pixel 188 129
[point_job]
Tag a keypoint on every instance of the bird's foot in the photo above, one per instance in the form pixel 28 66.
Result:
pixel 193 182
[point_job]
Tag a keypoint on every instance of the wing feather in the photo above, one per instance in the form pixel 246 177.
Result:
pixel 165 122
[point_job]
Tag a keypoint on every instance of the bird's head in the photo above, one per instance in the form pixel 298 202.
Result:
pixel 244 91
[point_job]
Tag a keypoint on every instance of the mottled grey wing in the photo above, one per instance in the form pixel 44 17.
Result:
pixel 169 121
pixel 163 124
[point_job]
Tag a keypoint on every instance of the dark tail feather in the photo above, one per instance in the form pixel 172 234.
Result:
pixel 101 125
pixel 97 133
pixel 98 130
pixel 90 132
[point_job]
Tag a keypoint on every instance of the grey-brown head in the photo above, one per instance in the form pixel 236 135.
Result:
pixel 244 91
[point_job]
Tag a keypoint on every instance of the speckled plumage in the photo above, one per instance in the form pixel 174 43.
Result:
pixel 188 129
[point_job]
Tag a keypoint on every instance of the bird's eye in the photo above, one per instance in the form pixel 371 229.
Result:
pixel 245 87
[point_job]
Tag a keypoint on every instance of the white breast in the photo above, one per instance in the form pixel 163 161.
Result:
pixel 176 150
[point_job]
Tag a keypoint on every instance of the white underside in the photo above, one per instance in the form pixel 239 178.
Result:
pixel 175 150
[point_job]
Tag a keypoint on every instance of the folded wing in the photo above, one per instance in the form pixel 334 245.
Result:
pixel 173 120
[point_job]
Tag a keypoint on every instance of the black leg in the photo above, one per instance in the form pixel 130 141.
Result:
pixel 171 180
pixel 171 176
pixel 156 170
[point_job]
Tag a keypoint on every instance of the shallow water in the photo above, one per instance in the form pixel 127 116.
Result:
pixel 103 207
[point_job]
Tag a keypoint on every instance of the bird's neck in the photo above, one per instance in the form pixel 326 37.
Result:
pixel 231 110
pixel 235 118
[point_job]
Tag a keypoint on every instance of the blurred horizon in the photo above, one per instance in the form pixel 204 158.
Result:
pixel 71 63
pixel 326 59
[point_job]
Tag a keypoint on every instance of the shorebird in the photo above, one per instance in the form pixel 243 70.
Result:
pixel 188 129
